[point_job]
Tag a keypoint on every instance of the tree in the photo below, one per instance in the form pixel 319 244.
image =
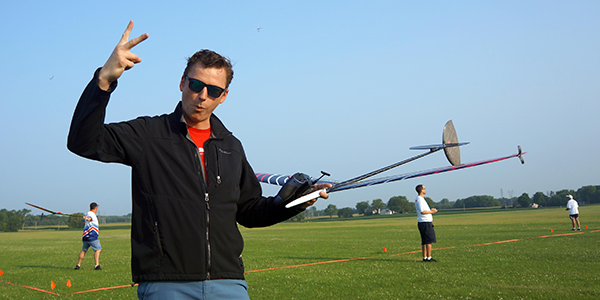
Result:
pixel 524 200
pixel 400 204
pixel 76 221
pixel 12 220
pixel 311 212
pixel 345 212
pixel 587 194
pixel 444 203
pixel 539 198
pixel 395 204
pixel 362 207
pixel 331 210
pixel 560 198
pixel 299 217
pixel 377 205
pixel 476 201
pixel 408 206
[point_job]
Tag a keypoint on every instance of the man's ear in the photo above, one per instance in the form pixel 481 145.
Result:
pixel 224 96
pixel 181 84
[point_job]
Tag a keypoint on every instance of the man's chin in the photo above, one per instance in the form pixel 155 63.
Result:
pixel 195 120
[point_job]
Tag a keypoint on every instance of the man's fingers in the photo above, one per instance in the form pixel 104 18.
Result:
pixel 132 57
pixel 125 36
pixel 128 44
pixel 135 41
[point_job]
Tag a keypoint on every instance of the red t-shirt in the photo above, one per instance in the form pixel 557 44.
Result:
pixel 199 136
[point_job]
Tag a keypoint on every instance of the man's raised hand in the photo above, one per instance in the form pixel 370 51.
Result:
pixel 121 59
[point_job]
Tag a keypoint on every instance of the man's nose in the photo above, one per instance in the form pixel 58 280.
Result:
pixel 203 94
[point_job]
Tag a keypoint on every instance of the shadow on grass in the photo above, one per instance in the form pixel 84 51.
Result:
pixel 46 267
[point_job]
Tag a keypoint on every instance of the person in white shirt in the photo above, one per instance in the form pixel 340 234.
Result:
pixel 425 223
pixel 91 231
pixel 573 208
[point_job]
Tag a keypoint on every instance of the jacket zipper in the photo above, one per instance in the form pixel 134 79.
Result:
pixel 208 235
pixel 206 200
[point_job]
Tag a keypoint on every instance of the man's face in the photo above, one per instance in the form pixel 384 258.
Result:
pixel 198 106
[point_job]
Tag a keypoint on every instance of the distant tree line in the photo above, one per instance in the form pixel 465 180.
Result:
pixel 399 204
pixel 14 220
pixel 73 221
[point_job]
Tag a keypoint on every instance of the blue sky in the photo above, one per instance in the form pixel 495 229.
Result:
pixel 341 86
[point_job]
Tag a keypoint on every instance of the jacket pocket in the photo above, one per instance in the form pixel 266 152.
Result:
pixel 157 238
pixel 228 167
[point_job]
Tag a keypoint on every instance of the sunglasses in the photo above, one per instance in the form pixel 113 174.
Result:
pixel 197 86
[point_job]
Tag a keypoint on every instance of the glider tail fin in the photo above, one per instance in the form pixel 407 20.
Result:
pixel 520 155
pixel 449 137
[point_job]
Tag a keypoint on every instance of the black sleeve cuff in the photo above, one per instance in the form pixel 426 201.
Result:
pixel 112 86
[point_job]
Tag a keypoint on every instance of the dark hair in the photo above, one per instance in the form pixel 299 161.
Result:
pixel 210 59
pixel 419 188
pixel 93 205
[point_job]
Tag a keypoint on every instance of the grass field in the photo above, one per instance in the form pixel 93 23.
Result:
pixel 345 259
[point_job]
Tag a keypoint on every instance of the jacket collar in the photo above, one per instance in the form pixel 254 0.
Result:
pixel 217 128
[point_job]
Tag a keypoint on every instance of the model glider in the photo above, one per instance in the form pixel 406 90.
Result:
pixel 296 189
pixel 49 211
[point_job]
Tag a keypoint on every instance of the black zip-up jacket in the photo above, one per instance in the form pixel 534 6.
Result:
pixel 184 224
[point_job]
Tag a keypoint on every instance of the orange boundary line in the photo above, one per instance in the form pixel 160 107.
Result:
pixel 410 252
pixel 29 287
pixel 562 234
pixel 106 288
pixel 492 243
pixel 310 264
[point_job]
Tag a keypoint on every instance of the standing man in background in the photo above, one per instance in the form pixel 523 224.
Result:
pixel 573 208
pixel 425 223
pixel 91 230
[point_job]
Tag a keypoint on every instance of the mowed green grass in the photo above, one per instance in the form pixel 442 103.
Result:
pixel 280 260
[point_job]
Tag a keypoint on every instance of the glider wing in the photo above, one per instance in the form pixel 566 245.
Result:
pixel 278 179
pixel 387 179
pixel 49 211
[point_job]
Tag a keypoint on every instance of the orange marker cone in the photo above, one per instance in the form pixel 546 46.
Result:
pixel 551 230
pixel 585 228
pixel 1 272
pixel 384 249
pixel 69 283
pixel 558 221
pixel 52 284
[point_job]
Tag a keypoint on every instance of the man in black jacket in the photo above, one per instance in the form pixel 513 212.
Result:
pixel 191 182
